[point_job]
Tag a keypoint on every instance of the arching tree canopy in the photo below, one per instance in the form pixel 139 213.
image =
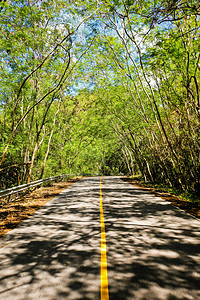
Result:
pixel 100 87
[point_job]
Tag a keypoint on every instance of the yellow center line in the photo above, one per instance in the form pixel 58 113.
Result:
pixel 4 244
pixel 104 275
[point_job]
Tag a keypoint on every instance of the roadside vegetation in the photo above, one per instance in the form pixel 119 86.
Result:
pixel 106 87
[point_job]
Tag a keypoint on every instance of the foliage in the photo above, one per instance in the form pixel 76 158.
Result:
pixel 100 87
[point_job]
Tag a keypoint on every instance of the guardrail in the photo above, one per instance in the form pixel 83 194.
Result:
pixel 16 189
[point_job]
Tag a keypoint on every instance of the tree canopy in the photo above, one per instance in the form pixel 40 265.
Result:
pixel 100 87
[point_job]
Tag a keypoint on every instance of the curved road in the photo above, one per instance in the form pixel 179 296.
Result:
pixel 153 248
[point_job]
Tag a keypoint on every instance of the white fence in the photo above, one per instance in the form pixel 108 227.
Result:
pixel 16 189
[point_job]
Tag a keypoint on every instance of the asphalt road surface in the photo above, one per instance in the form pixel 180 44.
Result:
pixel 153 248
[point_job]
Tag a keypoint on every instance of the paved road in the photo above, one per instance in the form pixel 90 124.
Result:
pixel 153 248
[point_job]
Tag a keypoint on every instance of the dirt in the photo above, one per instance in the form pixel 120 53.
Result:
pixel 189 207
pixel 19 209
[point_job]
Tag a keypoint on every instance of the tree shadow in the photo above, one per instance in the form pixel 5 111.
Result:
pixel 152 247
pixel 55 254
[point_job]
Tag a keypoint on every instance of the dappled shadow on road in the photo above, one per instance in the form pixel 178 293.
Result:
pixel 153 248
pixel 55 254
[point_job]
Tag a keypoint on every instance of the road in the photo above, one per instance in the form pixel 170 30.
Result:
pixel 152 247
